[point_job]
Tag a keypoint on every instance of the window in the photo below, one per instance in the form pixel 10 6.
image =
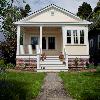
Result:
pixel 91 43
pixel 34 42
pixel 99 41
pixel 52 13
pixel 51 42
pixel 68 36
pixel 75 36
pixel 81 36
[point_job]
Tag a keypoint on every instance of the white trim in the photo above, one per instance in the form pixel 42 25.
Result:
pixel 26 56
pixel 48 7
pixel 18 40
pixel 78 56
pixel 41 38
pixel 52 23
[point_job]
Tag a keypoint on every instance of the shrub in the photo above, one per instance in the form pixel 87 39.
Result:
pixel 10 65
pixel 2 66
pixel 98 69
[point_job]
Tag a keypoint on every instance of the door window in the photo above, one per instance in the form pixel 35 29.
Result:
pixel 51 42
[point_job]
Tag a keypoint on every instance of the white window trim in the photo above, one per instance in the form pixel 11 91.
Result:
pixel 78 36
pixel 69 36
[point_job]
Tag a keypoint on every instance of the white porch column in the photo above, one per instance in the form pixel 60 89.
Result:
pixel 64 37
pixel 18 40
pixel 41 39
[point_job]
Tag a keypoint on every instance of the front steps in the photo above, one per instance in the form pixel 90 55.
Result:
pixel 52 64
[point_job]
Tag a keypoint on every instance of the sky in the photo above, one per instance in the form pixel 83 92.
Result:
pixel 70 5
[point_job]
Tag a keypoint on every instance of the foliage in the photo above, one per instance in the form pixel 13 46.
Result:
pixel 10 65
pixel 98 69
pixel 10 14
pixel 2 63
pixel 84 10
pixel 83 85
pixel 20 85
pixel 76 62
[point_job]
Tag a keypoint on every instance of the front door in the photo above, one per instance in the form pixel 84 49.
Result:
pixel 48 43
pixel 51 42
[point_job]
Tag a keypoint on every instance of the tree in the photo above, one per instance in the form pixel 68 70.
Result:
pixel 9 15
pixel 95 17
pixel 25 11
pixel 84 10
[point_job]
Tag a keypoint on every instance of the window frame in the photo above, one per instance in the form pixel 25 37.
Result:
pixel 69 36
pixel 75 37
pixel 82 36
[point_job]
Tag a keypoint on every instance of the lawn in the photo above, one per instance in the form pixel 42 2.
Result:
pixel 20 85
pixel 82 85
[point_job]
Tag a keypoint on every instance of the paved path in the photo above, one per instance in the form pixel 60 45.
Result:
pixel 53 89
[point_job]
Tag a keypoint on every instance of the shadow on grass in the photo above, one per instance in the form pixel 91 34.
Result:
pixel 92 74
pixel 14 90
pixel 90 95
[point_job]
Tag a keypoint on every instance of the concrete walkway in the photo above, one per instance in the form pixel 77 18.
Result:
pixel 53 89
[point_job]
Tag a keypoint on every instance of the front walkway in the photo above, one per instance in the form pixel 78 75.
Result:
pixel 53 89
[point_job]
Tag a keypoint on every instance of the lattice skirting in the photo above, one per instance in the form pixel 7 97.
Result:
pixel 26 63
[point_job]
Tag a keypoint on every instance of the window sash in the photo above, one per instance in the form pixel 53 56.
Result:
pixel 69 37
pixel 75 35
pixel 82 40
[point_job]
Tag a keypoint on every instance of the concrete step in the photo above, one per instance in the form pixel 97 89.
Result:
pixel 51 70
pixel 52 65
pixel 51 62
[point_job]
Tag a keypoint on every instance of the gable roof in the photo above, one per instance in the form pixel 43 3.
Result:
pixel 52 6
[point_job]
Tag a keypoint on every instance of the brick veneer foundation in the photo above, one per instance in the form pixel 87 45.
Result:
pixel 81 62
pixel 25 63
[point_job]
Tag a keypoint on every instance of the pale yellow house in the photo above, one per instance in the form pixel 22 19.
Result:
pixel 52 30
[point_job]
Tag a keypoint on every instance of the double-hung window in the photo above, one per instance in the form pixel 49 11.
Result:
pixel 68 36
pixel 81 36
pixel 75 36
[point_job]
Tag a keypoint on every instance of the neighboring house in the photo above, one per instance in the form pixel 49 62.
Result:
pixel 94 39
pixel 54 30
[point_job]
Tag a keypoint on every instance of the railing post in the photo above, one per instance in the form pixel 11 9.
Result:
pixel 66 60
pixel 38 56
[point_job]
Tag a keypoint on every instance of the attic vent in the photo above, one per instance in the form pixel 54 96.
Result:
pixel 52 13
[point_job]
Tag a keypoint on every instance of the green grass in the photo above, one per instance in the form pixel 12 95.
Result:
pixel 83 85
pixel 20 85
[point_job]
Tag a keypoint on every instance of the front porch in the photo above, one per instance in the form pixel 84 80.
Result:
pixel 49 39
pixel 32 41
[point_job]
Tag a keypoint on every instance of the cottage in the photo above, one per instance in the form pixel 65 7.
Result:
pixel 52 31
